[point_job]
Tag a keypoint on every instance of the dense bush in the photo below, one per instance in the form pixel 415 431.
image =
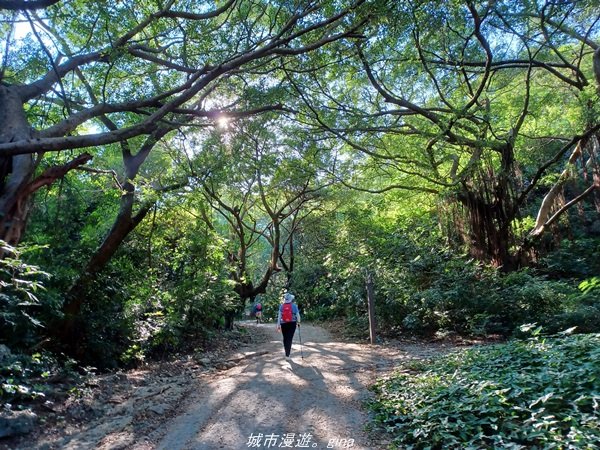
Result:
pixel 470 299
pixel 166 286
pixel 20 315
pixel 422 289
pixel 27 378
pixel 159 306
pixel 573 258
pixel 423 285
pixel 581 309
pixel 537 393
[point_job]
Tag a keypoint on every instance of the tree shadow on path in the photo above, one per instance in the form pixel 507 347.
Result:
pixel 271 401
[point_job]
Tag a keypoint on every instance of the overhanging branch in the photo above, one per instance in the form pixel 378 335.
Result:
pixel 26 5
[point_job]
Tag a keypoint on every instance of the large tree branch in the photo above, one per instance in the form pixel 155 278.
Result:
pixel 52 62
pixel 134 162
pixel 524 111
pixel 29 146
pixel 25 5
pixel 77 118
pixel 390 98
pixel 417 39
pixel 37 88
pixel 336 132
pixel 197 16
pixel 549 67
pixel 540 172
pixel 596 63
pixel 540 229
pixel 390 187
pixel 488 59
pixel 110 172
pixel 35 145
pixel 52 174
pixel 226 211
pixel 322 42
pixel 580 82
pixel 44 84
pixel 568 31
pixel 233 114
pixel 162 62
pixel 194 85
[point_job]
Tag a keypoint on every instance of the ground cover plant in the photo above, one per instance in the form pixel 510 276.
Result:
pixel 542 392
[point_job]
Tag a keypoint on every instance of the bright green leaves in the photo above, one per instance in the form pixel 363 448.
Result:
pixel 20 283
pixel 537 394
pixel 587 286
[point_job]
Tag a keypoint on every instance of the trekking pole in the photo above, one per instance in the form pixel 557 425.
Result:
pixel 300 336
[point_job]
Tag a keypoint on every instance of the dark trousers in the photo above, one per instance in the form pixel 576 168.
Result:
pixel 288 329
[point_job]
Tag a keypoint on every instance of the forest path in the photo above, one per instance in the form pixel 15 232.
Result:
pixel 308 401
pixel 254 399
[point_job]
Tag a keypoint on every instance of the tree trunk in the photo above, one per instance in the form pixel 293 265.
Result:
pixel 124 223
pixel 15 171
pixel 488 237
pixel 488 200
pixel 596 64
pixel 550 199
pixel 229 320
pixel 247 289
pixel 69 330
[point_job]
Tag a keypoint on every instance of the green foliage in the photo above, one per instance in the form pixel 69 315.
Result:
pixel 451 122
pixel 590 286
pixel 581 310
pixel 423 286
pixel 465 297
pixel 179 291
pixel 19 303
pixel 538 393
pixel 26 378
pixel 574 258
pixel 108 330
pixel 15 373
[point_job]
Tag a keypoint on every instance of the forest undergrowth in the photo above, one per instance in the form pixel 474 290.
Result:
pixel 541 392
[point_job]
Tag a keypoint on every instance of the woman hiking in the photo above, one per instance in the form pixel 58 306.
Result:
pixel 287 320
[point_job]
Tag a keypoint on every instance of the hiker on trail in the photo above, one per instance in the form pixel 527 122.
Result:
pixel 258 312
pixel 287 320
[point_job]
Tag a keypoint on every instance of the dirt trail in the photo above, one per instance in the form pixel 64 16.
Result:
pixel 258 399
pixel 312 400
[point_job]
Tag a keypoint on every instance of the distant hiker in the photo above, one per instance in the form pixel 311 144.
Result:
pixel 287 319
pixel 258 312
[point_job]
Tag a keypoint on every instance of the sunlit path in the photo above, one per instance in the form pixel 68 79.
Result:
pixel 272 400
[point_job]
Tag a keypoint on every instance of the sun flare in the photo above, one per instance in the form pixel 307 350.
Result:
pixel 223 122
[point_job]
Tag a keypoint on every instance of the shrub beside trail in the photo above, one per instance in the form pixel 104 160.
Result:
pixel 536 393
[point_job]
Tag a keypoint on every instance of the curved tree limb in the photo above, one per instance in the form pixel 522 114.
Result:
pixel 25 5
pixel 540 172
